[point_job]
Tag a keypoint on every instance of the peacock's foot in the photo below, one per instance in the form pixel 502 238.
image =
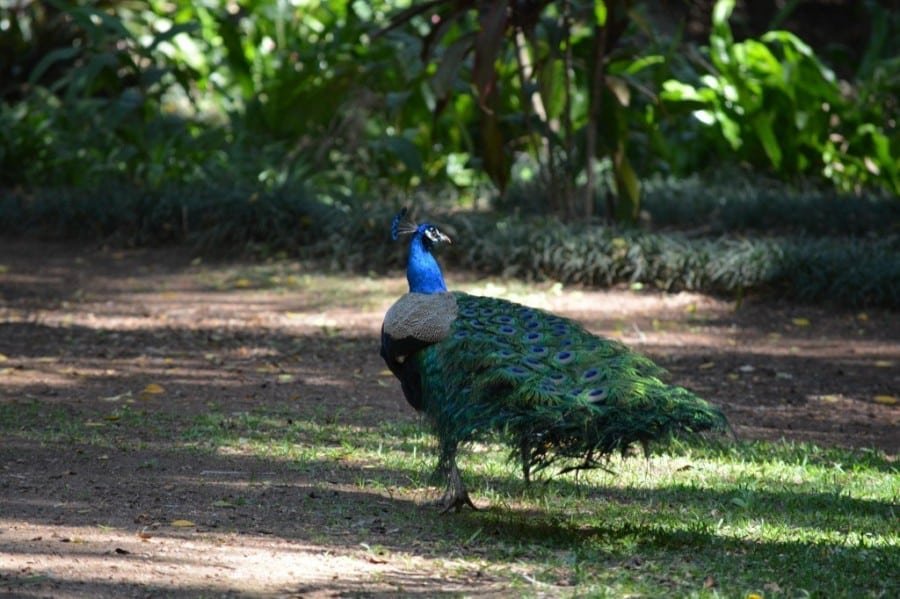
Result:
pixel 456 499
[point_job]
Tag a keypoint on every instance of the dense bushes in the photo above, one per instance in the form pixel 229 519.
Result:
pixel 848 271
pixel 374 97
pixel 835 260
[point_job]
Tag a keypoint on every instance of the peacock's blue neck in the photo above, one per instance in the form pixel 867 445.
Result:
pixel 422 270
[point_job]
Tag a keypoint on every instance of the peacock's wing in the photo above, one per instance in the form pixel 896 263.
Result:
pixel 414 322
pixel 554 389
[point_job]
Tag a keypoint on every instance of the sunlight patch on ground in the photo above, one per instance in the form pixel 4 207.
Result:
pixel 167 560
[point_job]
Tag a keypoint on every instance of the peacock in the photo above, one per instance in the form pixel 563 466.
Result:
pixel 555 393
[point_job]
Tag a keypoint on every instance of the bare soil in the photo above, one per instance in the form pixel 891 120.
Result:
pixel 85 331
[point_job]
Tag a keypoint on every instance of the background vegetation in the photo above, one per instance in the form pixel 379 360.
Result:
pixel 697 145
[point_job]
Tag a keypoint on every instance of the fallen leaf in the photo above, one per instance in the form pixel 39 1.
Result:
pixel 385 372
pixel 886 400
pixel 862 316
pixel 153 389
pixel 706 365
pixel 800 322
pixel 182 523
pixel 283 379
pixel 118 397
pixel 243 283
pixel 746 368
pixel 3 358
pixel 829 398
pixel 222 503
pixel 884 364
pixel 754 596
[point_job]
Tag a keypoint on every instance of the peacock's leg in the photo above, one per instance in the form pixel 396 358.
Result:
pixel 455 497
pixel 525 454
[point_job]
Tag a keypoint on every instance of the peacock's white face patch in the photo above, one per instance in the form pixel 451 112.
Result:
pixel 434 236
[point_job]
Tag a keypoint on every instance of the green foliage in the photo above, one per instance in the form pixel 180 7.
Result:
pixel 554 81
pixel 773 103
pixel 97 104
pixel 734 203
pixel 216 218
pixel 851 262
pixel 843 271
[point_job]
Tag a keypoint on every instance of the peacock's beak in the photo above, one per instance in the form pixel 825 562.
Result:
pixel 444 239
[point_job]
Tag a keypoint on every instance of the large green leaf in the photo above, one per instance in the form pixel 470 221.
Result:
pixel 552 85
pixel 628 188
pixel 762 125
pixel 448 69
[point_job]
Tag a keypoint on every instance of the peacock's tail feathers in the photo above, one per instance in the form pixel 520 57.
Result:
pixel 553 389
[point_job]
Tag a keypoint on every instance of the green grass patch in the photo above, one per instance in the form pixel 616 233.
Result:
pixel 776 519
pixel 772 519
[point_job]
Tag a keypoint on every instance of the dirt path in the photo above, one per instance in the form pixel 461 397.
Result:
pixel 122 352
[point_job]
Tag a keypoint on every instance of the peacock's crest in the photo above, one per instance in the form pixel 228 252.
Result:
pixel 400 225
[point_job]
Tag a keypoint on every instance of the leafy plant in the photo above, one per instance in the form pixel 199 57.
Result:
pixel 773 103
pixel 551 80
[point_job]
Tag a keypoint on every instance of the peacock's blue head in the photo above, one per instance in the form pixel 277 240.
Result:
pixel 422 270
pixel 429 235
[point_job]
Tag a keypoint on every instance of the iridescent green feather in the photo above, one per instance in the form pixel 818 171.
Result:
pixel 552 389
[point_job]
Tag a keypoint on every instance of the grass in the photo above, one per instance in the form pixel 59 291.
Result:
pixel 767 519
pixel 775 519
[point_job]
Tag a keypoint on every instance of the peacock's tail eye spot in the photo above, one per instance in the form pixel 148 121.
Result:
pixel 507 330
pixel 564 357
pixel 565 342
pixel 516 370
pixel 532 337
pixel 539 350
pixel 591 374
pixel 557 378
pixel 532 362
pixel 532 324
pixel 504 319
pixel 597 394
pixel 461 334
